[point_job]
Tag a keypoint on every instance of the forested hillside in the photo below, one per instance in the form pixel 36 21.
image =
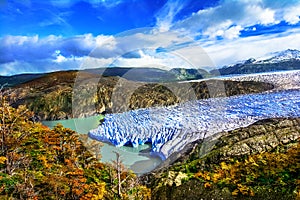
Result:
pixel 39 163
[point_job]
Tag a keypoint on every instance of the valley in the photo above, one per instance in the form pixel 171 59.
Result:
pixel 150 100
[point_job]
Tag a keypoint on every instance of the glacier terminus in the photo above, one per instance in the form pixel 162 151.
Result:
pixel 170 129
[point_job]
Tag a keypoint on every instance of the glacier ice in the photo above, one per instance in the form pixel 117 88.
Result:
pixel 169 129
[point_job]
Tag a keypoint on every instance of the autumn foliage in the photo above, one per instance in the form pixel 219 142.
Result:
pixel 39 163
pixel 276 171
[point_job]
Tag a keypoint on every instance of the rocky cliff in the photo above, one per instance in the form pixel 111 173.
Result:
pixel 262 161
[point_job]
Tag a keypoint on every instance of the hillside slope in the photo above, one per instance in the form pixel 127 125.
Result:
pixel 67 94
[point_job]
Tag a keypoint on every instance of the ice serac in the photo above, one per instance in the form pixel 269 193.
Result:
pixel 169 129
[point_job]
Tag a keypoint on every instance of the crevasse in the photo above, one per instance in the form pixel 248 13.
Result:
pixel 169 129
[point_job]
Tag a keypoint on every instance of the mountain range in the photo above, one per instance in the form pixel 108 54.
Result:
pixel 280 61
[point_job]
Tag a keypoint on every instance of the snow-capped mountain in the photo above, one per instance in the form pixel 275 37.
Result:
pixel 279 61
pixel 287 55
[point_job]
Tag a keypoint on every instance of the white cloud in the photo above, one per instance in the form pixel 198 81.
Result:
pixel 135 40
pixel 216 21
pixel 196 56
pixel 166 15
pixel 268 17
pixel 227 20
pixel 292 15
pixel 50 65
pixel 146 42
pixel 215 31
pixel 60 59
pixel 223 31
pixel 13 68
pixel 28 48
pixel 23 54
pixel 91 62
pixel 40 66
pixel 150 58
pixel 259 15
pixel 233 32
pixel 229 52
pixel 20 40
pixel 36 54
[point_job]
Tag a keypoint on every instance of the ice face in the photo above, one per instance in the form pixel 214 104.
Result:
pixel 169 129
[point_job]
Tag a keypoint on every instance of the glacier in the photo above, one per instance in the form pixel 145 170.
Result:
pixel 170 129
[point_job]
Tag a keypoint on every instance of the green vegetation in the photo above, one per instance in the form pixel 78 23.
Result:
pixel 228 171
pixel 256 162
pixel 269 171
pixel 39 163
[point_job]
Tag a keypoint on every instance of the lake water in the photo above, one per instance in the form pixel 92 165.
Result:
pixel 137 159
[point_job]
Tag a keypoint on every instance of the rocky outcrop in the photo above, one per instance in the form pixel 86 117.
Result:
pixel 262 136
pixel 269 135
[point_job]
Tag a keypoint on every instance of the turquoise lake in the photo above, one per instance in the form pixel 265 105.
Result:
pixel 133 158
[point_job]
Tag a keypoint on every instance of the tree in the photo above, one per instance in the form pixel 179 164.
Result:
pixel 37 163
pixel 14 130
pixel 124 183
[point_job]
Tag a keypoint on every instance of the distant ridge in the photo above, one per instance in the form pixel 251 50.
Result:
pixel 281 61
pixel 18 79
pixel 287 55
pixel 141 74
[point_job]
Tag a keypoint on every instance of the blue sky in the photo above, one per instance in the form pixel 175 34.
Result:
pixel 39 36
